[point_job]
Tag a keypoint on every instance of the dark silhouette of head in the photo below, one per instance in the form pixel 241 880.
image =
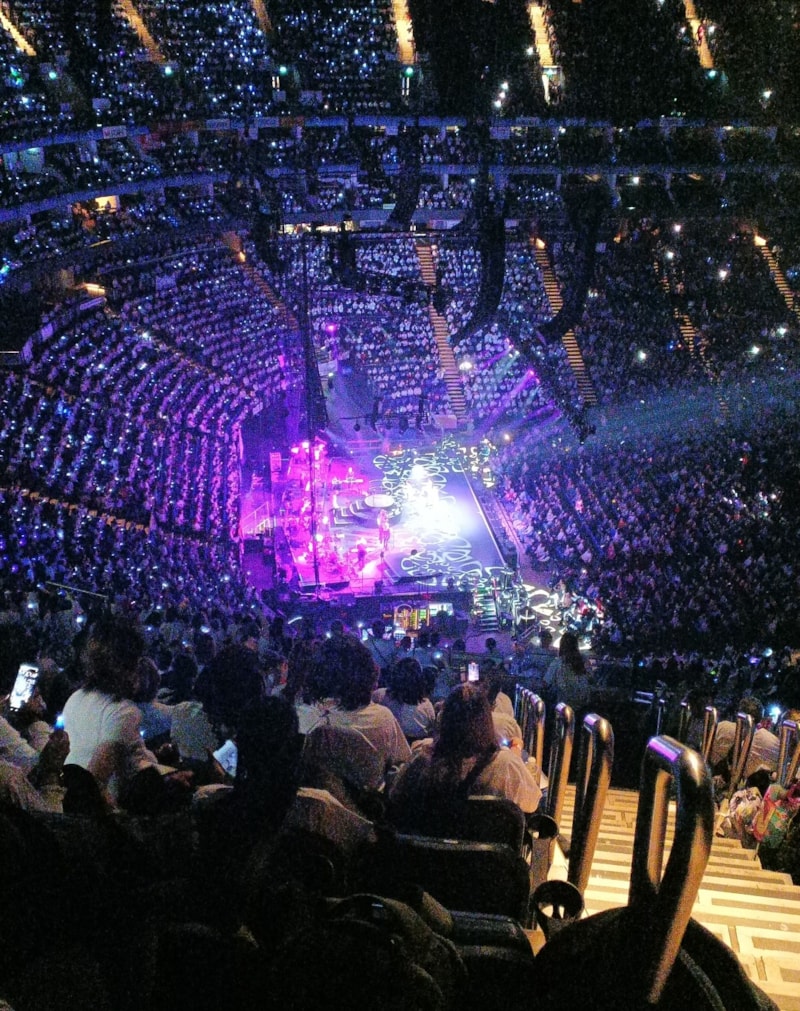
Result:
pixel 465 729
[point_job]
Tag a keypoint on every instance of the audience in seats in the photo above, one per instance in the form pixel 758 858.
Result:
pixel 31 757
pixel 764 748
pixel 100 719
pixel 342 679
pixel 464 759
pixel 506 728
pixel 405 695
pixel 567 679
pixel 709 502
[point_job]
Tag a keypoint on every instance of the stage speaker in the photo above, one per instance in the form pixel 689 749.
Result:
pixel 341 585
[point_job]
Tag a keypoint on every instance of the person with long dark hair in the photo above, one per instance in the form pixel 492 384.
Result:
pixel 463 760
pixel 100 718
pixel 407 698
pixel 567 678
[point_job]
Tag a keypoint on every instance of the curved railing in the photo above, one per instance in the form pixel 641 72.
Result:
pixel 663 905
pixel 560 757
pixel 595 760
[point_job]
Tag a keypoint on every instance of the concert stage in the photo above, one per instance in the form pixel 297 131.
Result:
pixel 399 521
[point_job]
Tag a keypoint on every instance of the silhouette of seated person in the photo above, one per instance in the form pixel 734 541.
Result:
pixel 100 718
pixel 463 760
pixel 340 682
pixel 406 696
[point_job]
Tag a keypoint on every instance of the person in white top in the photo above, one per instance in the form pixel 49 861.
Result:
pixel 384 651
pixel 100 719
pixel 763 750
pixel 405 697
pixel 506 727
pixel 19 759
pixel 342 679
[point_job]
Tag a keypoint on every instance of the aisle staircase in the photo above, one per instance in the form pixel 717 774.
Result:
pixel 20 41
pixel 536 17
pixel 452 376
pixel 754 911
pixel 286 317
pixel 689 336
pixel 569 340
pixel 485 607
pixel 693 20
pixel 134 19
pixel 406 51
pixel 778 276
pixel 262 16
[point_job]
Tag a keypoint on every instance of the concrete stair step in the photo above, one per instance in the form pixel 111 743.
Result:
pixel 720 857
pixel 618 827
pixel 726 921
pixel 606 867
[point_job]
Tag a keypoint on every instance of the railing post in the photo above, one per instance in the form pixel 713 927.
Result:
pixel 742 739
pixel 710 721
pixel 560 756
pixel 593 777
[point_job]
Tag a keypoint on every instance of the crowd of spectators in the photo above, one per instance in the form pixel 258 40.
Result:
pixel 119 437
pixel 160 378
pixel 92 69
pixel 346 52
pixel 681 536
pixel 333 171
pixel 381 294
pixel 756 91
pixel 499 382
pixel 26 110
pixel 662 73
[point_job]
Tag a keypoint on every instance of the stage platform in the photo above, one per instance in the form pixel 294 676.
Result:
pixel 404 519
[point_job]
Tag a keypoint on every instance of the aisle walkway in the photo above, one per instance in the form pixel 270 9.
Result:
pixel 553 291
pixel 694 21
pixel 552 73
pixel 19 39
pixel 441 333
pixel 539 26
pixel 754 911
pixel 778 276
pixel 406 51
pixel 263 16
pixel 695 347
pixel 133 18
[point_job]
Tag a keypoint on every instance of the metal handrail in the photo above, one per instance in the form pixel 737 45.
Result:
pixel 788 741
pixel 742 740
pixel 530 712
pixel 595 758
pixel 535 744
pixel 560 756
pixel 522 709
pixel 684 719
pixel 791 770
pixel 519 694
pixel 710 721
pixel 662 906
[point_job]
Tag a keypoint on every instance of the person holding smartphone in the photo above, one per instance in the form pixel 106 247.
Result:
pixel 30 769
